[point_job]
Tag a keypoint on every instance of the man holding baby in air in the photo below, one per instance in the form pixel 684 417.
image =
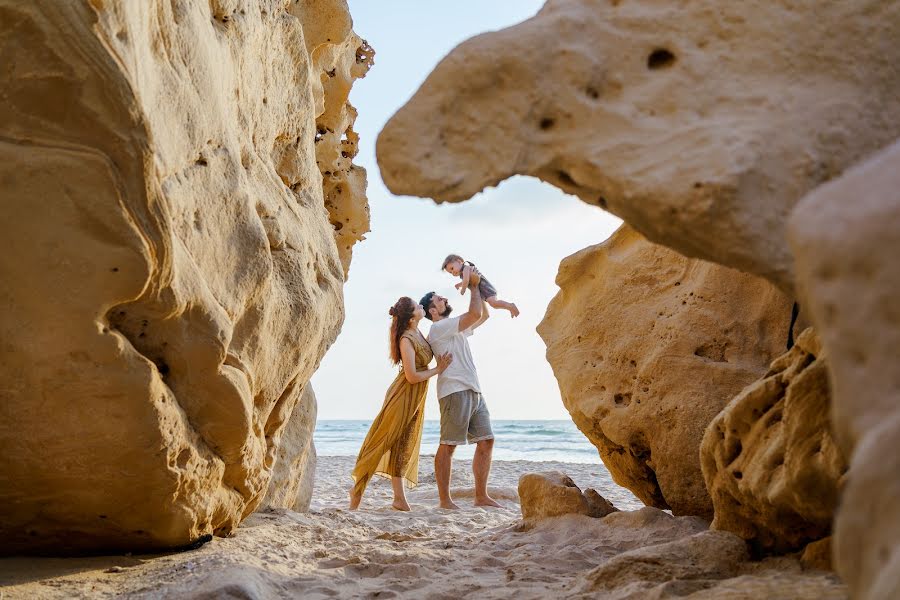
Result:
pixel 464 414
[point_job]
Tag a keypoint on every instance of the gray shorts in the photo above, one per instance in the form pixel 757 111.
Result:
pixel 464 416
pixel 486 289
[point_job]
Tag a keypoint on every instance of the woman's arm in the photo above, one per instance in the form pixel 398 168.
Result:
pixel 408 356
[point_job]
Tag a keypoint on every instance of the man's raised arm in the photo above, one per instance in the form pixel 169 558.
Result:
pixel 475 311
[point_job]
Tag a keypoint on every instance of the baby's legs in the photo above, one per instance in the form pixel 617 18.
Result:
pixel 496 302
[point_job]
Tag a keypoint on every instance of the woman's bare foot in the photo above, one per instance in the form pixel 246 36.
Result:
pixel 514 311
pixel 487 501
pixel 401 505
pixel 449 505
pixel 355 499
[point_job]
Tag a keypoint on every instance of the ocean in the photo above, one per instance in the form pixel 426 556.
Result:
pixel 556 441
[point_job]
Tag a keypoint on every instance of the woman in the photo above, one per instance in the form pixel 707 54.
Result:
pixel 391 447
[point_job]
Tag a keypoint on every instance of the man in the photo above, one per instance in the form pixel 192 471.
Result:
pixel 464 415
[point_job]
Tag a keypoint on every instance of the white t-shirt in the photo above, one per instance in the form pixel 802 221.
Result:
pixel 444 337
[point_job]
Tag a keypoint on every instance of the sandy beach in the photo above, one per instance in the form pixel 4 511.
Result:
pixel 330 551
pixel 378 552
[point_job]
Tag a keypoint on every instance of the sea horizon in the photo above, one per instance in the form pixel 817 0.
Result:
pixel 535 440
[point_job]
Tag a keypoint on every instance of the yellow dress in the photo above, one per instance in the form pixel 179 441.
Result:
pixel 391 448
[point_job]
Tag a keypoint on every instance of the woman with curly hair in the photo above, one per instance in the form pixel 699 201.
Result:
pixel 391 448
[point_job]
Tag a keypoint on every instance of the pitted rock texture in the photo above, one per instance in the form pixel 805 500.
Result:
pixel 707 565
pixel 291 485
pixel 648 346
pixel 846 238
pixel 771 464
pixel 172 275
pixel 553 494
pixel 701 124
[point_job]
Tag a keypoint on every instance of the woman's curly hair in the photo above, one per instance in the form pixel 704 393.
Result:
pixel 401 314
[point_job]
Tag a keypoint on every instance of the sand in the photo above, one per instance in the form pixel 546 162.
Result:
pixel 331 551
pixel 378 552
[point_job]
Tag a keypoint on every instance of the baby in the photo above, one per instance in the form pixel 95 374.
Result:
pixel 455 265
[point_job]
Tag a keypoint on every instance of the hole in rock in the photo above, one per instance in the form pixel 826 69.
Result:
pixel 601 202
pixel 162 367
pixel 732 451
pixel 738 475
pixel 547 123
pixel 622 399
pixel 660 59
pixel 566 179
pixel 592 92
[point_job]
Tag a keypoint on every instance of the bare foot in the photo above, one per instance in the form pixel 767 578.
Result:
pixel 514 311
pixel 449 505
pixel 401 505
pixel 487 501
pixel 355 499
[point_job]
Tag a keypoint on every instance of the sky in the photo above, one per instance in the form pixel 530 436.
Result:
pixel 516 233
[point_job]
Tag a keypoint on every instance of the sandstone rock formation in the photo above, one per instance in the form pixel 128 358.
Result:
pixel 846 237
pixel 707 565
pixel 291 485
pixel 705 556
pixel 700 124
pixel 648 346
pixel 770 462
pixel 172 274
pixel 553 493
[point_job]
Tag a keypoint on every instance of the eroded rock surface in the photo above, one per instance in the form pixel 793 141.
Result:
pixel 710 564
pixel 291 485
pixel 553 493
pixel 846 236
pixel 648 346
pixel 771 464
pixel 700 124
pixel 172 274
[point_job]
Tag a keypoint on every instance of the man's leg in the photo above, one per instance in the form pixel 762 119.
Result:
pixel 482 434
pixel 443 459
pixel 481 468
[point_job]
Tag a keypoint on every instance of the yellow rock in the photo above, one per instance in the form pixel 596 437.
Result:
pixel 769 458
pixel 701 124
pixel 648 346
pixel 171 270
pixel 846 237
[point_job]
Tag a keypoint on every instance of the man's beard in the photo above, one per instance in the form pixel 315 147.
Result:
pixel 447 311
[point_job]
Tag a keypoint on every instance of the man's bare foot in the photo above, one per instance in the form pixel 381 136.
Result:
pixel 401 505
pixel 355 499
pixel 449 505
pixel 514 311
pixel 487 501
